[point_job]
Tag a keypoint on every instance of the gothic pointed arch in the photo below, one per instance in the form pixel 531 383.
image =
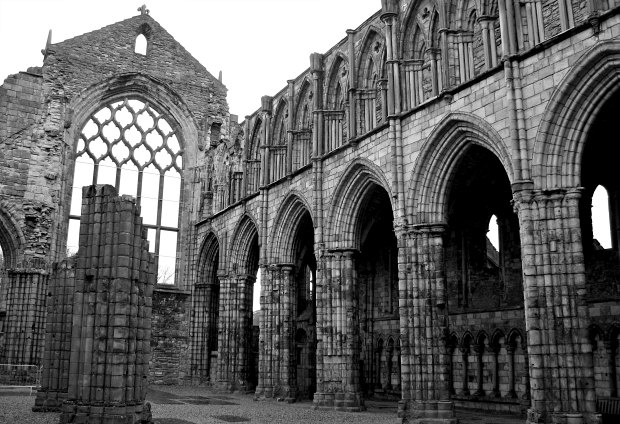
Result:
pixel 291 211
pixel 347 204
pixel 570 114
pixel 303 113
pixel 160 157
pixel 337 83
pixel 12 240
pixel 280 126
pixel 205 310
pixel 253 150
pixel 244 250
pixel 413 21
pixel 371 57
pixel 302 135
pixel 139 85
pixel 208 257
pixel 447 144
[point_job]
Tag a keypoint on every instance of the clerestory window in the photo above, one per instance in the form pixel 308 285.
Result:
pixel 132 146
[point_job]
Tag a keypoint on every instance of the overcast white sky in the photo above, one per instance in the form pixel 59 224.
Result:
pixel 257 44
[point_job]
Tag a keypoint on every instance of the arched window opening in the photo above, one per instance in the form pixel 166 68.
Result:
pixel 601 228
pixel 493 243
pixel 256 294
pixel 132 146
pixel 141 44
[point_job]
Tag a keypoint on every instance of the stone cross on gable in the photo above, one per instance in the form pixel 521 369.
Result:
pixel 143 10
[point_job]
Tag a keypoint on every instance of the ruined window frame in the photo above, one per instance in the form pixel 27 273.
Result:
pixel 177 164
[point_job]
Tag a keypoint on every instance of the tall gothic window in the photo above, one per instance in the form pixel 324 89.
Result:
pixel 132 146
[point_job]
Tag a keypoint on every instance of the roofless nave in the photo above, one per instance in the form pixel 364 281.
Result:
pixel 363 192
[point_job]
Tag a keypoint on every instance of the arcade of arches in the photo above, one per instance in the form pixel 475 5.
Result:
pixel 429 215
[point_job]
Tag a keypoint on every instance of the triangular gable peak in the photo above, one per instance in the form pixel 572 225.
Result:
pixel 113 47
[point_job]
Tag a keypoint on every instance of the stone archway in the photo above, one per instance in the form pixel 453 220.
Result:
pixel 205 313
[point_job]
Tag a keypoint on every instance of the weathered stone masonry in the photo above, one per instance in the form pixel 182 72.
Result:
pixel 99 320
pixel 363 193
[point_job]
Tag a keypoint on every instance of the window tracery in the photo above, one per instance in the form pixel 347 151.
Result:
pixel 132 146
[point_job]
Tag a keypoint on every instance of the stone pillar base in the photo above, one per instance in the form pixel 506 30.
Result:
pixel 223 386
pixel 348 402
pixel 428 412
pixel 119 414
pixel 535 416
pixel 281 394
pixel 49 401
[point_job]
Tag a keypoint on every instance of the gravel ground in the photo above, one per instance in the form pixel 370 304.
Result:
pixel 196 405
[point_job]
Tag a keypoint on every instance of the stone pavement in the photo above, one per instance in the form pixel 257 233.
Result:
pixel 198 405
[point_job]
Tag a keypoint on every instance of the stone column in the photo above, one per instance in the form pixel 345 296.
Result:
pixel 266 140
pixel 110 313
pixel 435 70
pixel 495 350
pixel 423 323
pixel 488 40
pixel 24 325
pixel 245 284
pixel 277 337
pixel 290 126
pixel 57 353
pixel 510 353
pixel 234 332
pixel 227 333
pixel 465 358
pixel 389 17
pixel 265 372
pixel 288 313
pixel 352 94
pixel 556 314
pixel 200 348
pixel 610 350
pixel 338 344
pixel 479 351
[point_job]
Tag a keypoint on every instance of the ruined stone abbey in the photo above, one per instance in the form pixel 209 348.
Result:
pixel 364 195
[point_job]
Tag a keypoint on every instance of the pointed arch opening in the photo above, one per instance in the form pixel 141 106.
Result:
pixel 205 313
pixel 600 205
pixel 482 276
pixel 377 288
pixel 253 160
pixel 242 318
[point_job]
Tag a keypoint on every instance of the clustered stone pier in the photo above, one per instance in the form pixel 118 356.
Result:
pixel 99 318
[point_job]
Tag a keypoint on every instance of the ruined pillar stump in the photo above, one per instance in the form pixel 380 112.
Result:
pixel 97 355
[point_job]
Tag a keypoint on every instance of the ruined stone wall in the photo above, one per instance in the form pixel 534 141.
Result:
pixel 170 338
pixel 29 168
